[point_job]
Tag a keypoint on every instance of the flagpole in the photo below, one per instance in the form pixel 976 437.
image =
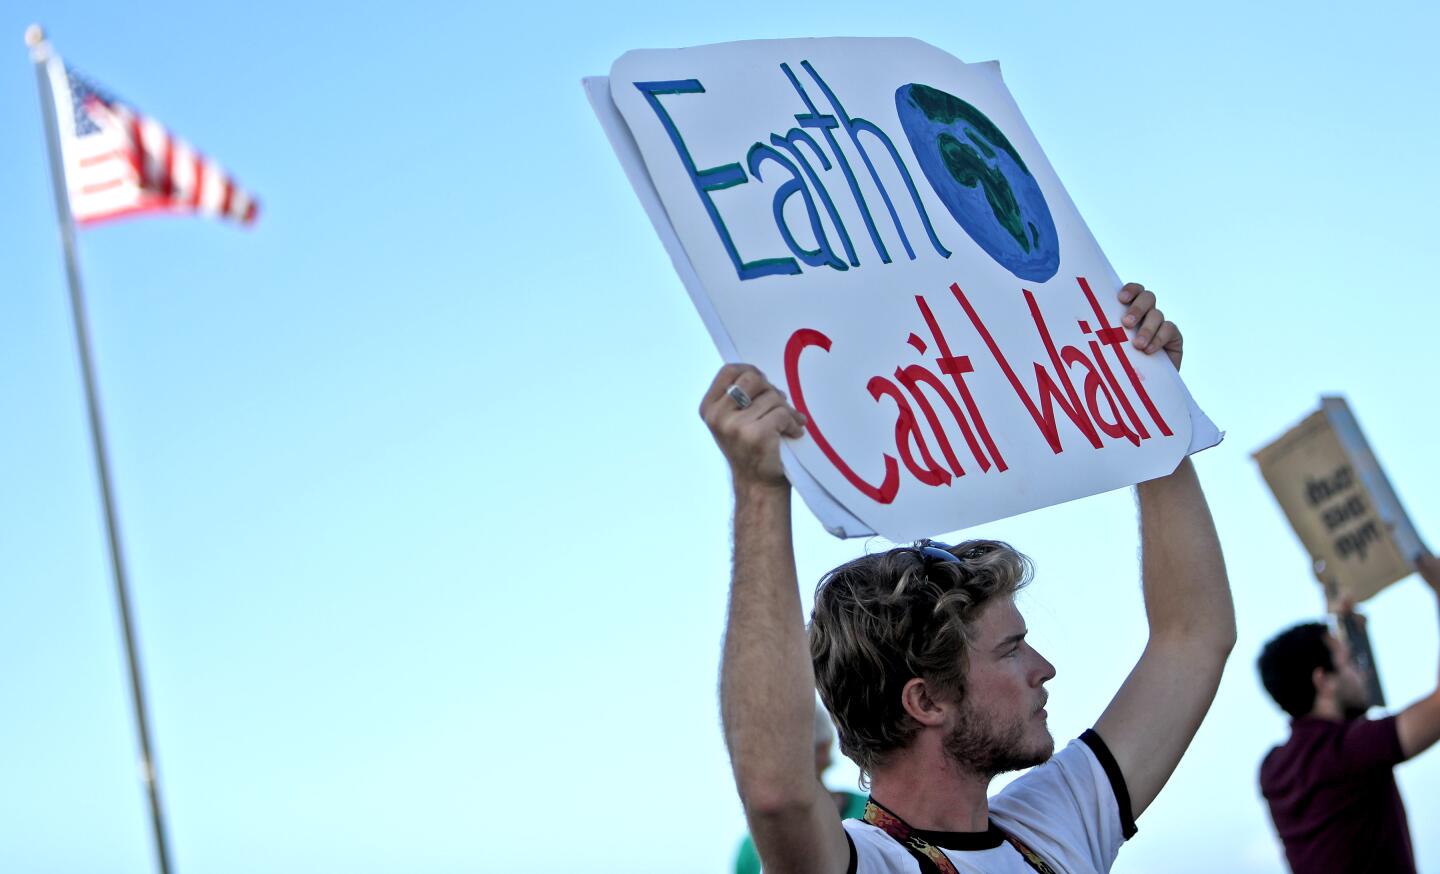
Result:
pixel 40 54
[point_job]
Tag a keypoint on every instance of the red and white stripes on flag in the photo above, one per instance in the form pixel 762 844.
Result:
pixel 119 162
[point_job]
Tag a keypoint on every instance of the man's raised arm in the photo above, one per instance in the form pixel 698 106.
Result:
pixel 767 685
pixel 1157 711
pixel 1419 724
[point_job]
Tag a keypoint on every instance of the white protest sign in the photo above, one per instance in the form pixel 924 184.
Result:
pixel 871 222
pixel 1333 490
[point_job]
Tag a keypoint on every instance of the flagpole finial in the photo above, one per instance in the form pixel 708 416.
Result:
pixel 34 35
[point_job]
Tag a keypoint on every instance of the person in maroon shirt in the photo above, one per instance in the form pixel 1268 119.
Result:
pixel 1331 786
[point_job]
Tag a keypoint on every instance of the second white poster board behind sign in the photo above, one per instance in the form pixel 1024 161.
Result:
pixel 872 223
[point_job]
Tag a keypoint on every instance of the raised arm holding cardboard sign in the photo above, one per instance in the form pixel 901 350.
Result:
pixel 1418 725
pixel 920 655
pixel 1330 787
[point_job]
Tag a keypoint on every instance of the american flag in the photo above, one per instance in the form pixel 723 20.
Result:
pixel 119 162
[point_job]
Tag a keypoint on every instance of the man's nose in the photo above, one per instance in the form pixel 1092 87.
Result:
pixel 1047 670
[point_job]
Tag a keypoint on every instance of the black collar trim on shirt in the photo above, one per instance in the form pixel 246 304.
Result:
pixel 989 839
pixel 929 854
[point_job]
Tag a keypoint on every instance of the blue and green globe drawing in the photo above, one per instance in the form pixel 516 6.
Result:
pixel 981 179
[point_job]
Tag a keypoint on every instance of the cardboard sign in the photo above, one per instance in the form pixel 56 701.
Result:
pixel 1337 498
pixel 871 222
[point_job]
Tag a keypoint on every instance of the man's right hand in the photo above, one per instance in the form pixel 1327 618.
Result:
pixel 1419 724
pixel 750 437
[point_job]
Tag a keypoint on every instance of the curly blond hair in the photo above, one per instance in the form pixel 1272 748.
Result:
pixel 883 619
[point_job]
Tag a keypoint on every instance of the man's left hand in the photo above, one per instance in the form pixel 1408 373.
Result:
pixel 1152 332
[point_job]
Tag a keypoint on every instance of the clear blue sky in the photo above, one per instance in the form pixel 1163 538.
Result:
pixel 428 547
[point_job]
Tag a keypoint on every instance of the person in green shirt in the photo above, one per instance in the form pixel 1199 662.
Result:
pixel 850 804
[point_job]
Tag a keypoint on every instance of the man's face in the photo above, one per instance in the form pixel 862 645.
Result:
pixel 1350 690
pixel 1000 725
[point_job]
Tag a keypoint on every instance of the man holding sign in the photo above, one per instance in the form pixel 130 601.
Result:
pixel 920 655
pixel 1331 785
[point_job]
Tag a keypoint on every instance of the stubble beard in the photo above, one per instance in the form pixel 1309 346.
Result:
pixel 1354 706
pixel 981 745
pixel 1354 700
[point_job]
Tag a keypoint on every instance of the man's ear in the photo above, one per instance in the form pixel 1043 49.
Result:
pixel 922 706
pixel 1320 679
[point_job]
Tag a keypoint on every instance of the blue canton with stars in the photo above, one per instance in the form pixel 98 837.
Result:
pixel 82 92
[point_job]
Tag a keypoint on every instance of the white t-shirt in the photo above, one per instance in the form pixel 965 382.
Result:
pixel 1073 811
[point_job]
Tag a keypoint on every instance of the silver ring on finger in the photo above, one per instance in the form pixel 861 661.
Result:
pixel 738 395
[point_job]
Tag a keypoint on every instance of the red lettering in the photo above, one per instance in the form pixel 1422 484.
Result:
pixel 799 342
pixel 1115 339
pixel 1118 391
pixel 911 377
pixel 1094 385
pixel 956 368
pixel 1045 382
pixel 1099 407
pixel 1044 415
pixel 908 432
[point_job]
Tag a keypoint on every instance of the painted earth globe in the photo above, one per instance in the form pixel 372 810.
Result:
pixel 981 179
